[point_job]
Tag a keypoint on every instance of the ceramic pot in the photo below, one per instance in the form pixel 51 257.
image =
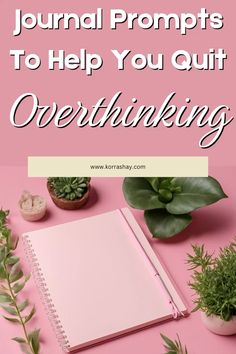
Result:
pixel 218 326
pixel 68 204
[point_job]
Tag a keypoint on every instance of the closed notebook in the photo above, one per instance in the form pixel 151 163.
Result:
pixel 99 278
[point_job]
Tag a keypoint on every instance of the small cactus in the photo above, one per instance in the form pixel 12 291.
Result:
pixel 69 188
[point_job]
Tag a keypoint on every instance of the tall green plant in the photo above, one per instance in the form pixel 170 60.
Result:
pixel 168 202
pixel 12 281
pixel 214 281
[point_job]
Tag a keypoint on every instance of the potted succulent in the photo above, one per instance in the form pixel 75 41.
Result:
pixel 214 282
pixel 168 201
pixel 69 192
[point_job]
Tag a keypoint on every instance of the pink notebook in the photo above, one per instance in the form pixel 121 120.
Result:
pixel 99 278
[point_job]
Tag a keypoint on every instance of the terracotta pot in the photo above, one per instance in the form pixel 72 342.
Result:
pixel 218 326
pixel 68 204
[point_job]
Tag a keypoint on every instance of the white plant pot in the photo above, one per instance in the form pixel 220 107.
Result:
pixel 218 326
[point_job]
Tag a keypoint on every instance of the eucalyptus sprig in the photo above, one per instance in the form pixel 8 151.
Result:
pixel 173 347
pixel 12 281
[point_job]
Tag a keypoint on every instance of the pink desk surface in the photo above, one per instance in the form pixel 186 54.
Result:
pixel 214 225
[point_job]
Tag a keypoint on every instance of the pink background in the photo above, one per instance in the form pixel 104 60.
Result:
pixel 214 226
pixel 150 87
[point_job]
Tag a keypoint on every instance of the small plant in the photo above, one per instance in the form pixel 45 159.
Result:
pixel 173 347
pixel 168 202
pixel 214 281
pixel 69 188
pixel 12 281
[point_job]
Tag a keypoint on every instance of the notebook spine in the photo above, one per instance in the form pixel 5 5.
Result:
pixel 45 294
pixel 174 308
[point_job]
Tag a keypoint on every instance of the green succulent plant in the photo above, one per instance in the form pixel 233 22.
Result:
pixel 69 188
pixel 214 281
pixel 167 202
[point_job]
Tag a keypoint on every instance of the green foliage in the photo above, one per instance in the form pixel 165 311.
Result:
pixel 168 201
pixel 163 224
pixel 214 281
pixel 69 188
pixel 173 347
pixel 12 281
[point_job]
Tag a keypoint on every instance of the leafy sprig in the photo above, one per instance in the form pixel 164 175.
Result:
pixel 173 346
pixel 12 281
pixel 214 281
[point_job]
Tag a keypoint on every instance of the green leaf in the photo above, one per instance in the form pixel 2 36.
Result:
pixel 173 347
pixel 27 277
pixel 168 341
pixel 25 348
pixel 31 314
pixel 3 252
pixel 15 273
pixel 19 340
pixel 4 297
pixel 16 277
pixel 3 216
pixel 23 305
pixel 155 182
pixel 34 340
pixel 14 320
pixel 3 289
pixel 2 272
pixel 10 310
pixel 17 287
pixel 14 269
pixel 164 225
pixel 12 260
pixel 139 194
pixel 10 241
pixel 195 193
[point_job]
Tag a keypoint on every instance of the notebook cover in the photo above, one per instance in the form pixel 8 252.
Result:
pixel 99 278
